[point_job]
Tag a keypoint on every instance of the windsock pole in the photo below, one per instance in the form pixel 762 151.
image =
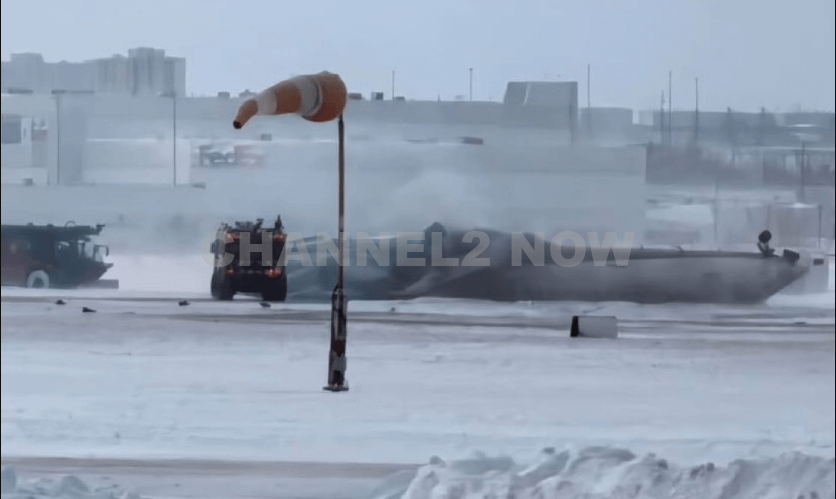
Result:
pixel 336 358
pixel 317 98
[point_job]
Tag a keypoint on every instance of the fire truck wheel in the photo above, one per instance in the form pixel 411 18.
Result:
pixel 221 287
pixel 37 279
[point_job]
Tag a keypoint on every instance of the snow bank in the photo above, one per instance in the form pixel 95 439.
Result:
pixel 601 472
pixel 66 487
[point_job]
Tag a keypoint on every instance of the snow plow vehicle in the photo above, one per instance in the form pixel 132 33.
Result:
pixel 249 259
pixel 46 256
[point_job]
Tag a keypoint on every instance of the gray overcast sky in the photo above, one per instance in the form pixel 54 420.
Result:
pixel 747 53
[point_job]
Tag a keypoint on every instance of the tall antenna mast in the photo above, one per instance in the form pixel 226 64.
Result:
pixel 697 109
pixel 662 134
pixel 670 108
pixel 588 99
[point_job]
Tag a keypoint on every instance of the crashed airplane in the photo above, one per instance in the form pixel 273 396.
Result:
pixel 508 267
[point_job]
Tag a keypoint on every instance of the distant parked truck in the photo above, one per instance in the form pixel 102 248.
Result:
pixel 46 256
pixel 244 266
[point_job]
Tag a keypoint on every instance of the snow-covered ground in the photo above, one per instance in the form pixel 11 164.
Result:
pixel 144 385
pixel 66 486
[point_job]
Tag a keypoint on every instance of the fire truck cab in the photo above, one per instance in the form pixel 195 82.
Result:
pixel 249 259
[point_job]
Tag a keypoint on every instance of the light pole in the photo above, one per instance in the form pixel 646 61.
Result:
pixel 173 96
pixel 589 99
pixel 697 109
pixel 670 108
pixel 471 84
pixel 318 98
pixel 58 93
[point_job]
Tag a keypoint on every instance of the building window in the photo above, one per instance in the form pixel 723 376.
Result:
pixel 11 129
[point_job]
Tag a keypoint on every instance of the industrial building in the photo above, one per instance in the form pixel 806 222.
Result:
pixel 145 71
pixel 114 120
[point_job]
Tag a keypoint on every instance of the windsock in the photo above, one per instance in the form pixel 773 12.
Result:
pixel 320 97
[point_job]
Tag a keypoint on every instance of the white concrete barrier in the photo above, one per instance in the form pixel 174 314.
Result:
pixel 588 326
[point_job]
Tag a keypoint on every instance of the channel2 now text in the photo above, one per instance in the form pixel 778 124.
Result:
pixel 411 249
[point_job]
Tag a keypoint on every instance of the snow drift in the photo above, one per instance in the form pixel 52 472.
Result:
pixel 66 487
pixel 601 472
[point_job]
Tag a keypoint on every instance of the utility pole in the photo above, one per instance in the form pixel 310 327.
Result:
pixel 393 84
pixel 588 99
pixel 174 134
pixel 716 209
pixel 471 84
pixel 662 128
pixel 697 110
pixel 173 95
pixel 762 127
pixel 670 108
pixel 803 179
pixel 732 134
pixel 57 94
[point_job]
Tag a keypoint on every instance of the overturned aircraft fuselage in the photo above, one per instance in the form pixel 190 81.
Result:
pixel 490 265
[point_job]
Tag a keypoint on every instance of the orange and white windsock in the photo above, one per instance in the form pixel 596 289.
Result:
pixel 320 97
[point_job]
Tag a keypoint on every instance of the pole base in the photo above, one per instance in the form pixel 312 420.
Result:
pixel 336 359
